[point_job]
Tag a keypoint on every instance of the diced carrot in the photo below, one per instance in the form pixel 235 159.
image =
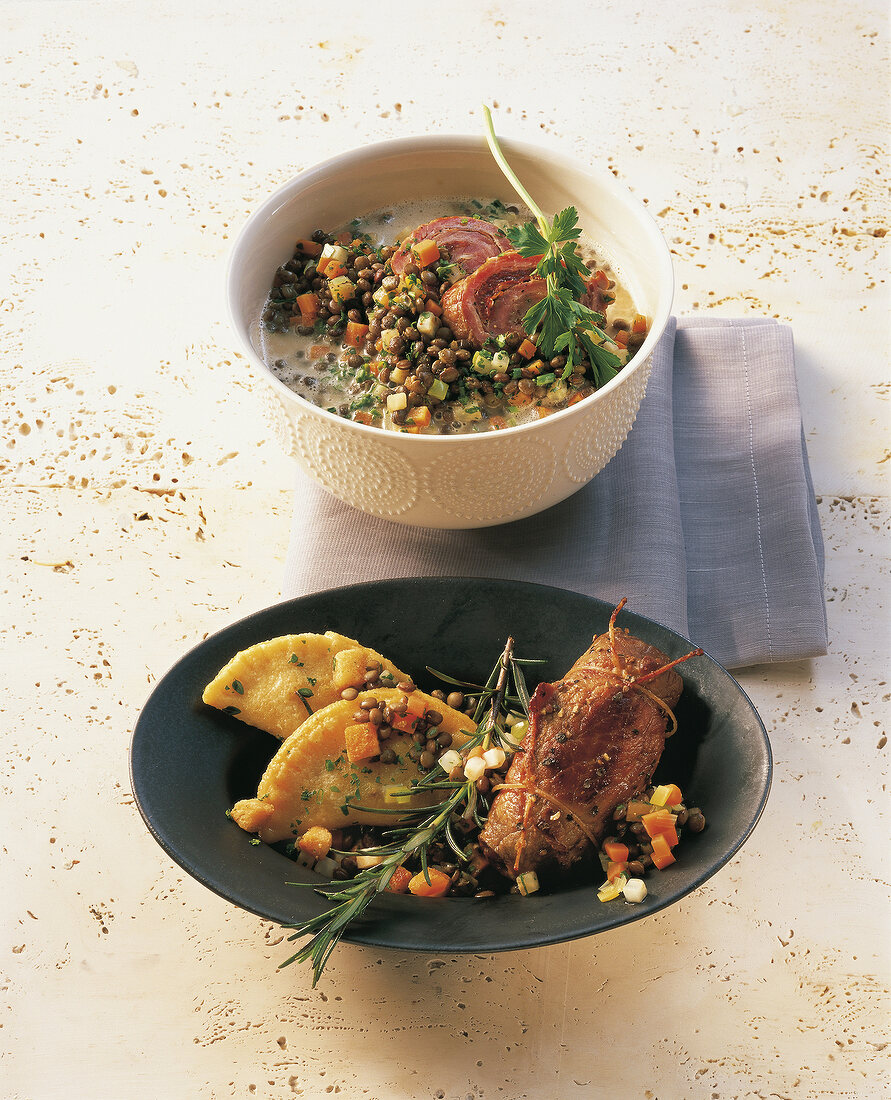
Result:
pixel 315 842
pixel 309 248
pixel 308 304
pixel 426 251
pixel 662 854
pixel 399 881
pixel 527 349
pixel 412 429
pixel 574 400
pixel 543 411
pixel 616 851
pixel 435 888
pixel 601 279
pixel 331 267
pixel 361 741
pixel 534 367
pixel 639 324
pixel 419 417
pixel 622 337
pixel 614 869
pixel 362 416
pixel 433 307
pixel 355 334
pixel 497 423
pixel 669 794
pixel 405 723
pixel 661 823
pixel 520 398
pixel 318 350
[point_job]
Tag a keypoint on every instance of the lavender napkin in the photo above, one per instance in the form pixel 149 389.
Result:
pixel 705 519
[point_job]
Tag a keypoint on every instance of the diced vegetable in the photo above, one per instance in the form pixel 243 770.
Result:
pixel 661 823
pixel 419 417
pixel 500 361
pixel 342 289
pixel 427 324
pixel 435 888
pixel 636 809
pixel 481 362
pixel 639 324
pixel 426 252
pixel 405 723
pixel 332 260
pixel 316 842
pixel 475 768
pixel 398 376
pixel 308 304
pixel 361 741
pixel 635 890
pixel 614 870
pixel 396 402
pixel 661 855
pixel 527 883
pixel 527 349
pixel 355 334
pixel 399 881
pixel 326 867
pixel 451 758
pixel 616 851
pixel 388 338
pixel 438 389
pixel 433 307
pixel 381 297
pixel 610 890
pixel 309 248
pixel 667 795
pixel 494 758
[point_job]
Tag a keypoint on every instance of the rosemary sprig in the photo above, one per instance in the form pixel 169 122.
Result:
pixel 564 324
pixel 420 828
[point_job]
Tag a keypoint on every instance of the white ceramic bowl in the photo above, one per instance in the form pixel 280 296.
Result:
pixel 456 481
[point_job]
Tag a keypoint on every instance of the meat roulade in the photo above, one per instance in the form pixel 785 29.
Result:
pixel 463 241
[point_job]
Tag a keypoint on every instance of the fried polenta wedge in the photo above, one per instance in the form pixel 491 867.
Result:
pixel 311 780
pixel 276 685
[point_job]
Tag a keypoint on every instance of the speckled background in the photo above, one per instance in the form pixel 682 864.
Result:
pixel 144 507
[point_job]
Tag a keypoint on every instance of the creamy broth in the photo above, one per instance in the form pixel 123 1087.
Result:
pixel 358 382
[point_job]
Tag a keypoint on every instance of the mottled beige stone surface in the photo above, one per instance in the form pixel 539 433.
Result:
pixel 144 507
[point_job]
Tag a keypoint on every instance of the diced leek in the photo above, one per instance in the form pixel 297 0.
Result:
pixel 438 389
pixel 546 379
pixel 427 324
pixel 527 883
pixel 398 376
pixel 451 758
pixel 396 402
pixel 335 252
pixel 635 890
pixel 500 361
pixel 388 338
pixel 380 391
pixel 610 890
pixel 519 729
pixel 475 768
pixel 494 758
pixel 326 867
pixel 481 362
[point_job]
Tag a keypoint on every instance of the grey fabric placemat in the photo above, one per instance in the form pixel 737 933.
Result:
pixel 705 519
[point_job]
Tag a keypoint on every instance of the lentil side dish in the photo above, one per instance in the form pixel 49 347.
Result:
pixel 522 787
pixel 421 330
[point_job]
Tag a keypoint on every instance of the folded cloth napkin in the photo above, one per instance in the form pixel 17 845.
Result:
pixel 705 519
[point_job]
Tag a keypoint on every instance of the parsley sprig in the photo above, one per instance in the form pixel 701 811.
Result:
pixel 563 324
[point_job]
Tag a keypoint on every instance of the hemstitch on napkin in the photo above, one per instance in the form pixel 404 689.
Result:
pixel 705 519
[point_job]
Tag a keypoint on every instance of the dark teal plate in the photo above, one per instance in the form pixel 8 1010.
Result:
pixel 189 763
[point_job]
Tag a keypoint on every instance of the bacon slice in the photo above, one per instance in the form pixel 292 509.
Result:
pixel 589 747
pixel 494 299
pixel 464 241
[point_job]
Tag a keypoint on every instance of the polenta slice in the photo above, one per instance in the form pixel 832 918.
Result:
pixel 276 685
pixel 311 780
